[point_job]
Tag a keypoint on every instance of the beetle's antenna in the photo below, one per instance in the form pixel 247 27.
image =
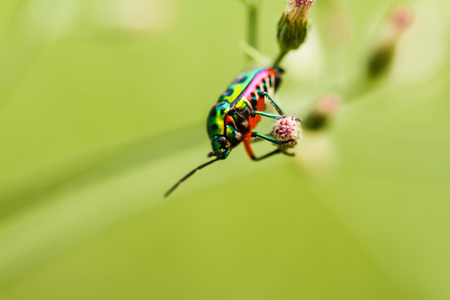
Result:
pixel 166 194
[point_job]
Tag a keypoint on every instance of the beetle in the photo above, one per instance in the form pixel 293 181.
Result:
pixel 236 114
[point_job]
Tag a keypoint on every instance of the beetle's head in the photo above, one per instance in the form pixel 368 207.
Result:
pixel 220 146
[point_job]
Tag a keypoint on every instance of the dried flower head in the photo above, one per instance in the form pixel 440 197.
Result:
pixel 287 128
pixel 293 25
pixel 297 11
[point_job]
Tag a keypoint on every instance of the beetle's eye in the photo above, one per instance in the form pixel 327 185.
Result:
pixel 222 141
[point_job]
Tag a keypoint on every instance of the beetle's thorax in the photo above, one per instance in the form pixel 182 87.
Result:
pixel 221 122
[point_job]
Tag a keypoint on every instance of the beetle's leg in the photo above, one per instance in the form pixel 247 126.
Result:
pixel 259 140
pixel 272 140
pixel 283 150
pixel 250 153
pixel 250 138
pixel 278 109
pixel 276 151
pixel 266 115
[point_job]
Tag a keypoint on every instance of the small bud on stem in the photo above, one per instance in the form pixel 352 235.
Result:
pixel 380 61
pixel 325 109
pixel 293 26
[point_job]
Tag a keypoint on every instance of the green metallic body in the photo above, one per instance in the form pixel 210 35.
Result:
pixel 233 116
pixel 237 113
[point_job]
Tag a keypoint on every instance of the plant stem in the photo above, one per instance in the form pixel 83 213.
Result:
pixel 252 31
pixel 279 58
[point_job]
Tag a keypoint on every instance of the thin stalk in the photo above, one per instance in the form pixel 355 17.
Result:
pixel 252 31
pixel 279 58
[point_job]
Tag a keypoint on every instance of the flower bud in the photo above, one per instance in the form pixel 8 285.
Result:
pixel 326 107
pixel 380 61
pixel 401 19
pixel 287 128
pixel 293 25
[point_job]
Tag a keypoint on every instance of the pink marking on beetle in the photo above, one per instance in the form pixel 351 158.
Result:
pixel 252 88
pixel 256 81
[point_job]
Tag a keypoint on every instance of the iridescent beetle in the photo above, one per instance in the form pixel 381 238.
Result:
pixel 237 113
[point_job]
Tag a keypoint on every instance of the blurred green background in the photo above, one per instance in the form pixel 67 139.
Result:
pixel 102 109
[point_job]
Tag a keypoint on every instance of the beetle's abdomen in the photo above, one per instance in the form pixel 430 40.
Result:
pixel 261 79
pixel 264 81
